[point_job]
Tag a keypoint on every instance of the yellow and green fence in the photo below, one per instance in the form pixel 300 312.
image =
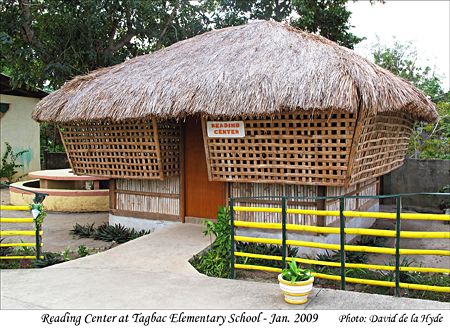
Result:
pixel 342 247
pixel 36 209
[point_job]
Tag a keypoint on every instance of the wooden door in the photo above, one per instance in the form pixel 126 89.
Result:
pixel 202 197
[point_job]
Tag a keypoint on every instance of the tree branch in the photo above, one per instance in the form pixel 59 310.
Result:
pixel 125 39
pixel 26 30
pixel 169 21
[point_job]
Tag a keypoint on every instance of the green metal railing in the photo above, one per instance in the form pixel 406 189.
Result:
pixel 398 216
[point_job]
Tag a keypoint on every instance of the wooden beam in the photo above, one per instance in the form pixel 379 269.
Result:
pixel 205 143
pixel 182 176
pixel 112 194
pixel 158 149
pixel 146 215
pixel 320 204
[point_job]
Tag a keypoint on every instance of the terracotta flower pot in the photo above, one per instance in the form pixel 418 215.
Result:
pixel 295 292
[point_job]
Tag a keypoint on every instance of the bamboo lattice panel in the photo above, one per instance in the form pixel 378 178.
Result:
pixel 169 144
pixel 292 148
pixel 382 145
pixel 126 150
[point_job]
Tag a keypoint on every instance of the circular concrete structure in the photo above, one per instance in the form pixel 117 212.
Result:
pixel 66 192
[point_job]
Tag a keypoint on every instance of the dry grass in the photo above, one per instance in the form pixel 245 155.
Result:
pixel 256 69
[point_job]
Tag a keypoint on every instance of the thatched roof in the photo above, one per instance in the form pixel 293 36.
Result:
pixel 256 69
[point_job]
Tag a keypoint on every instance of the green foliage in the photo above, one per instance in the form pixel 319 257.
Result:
pixel 25 250
pixel 49 259
pixel 41 216
pixel 51 41
pixel 65 254
pixel 117 233
pixel 216 261
pixel 54 40
pixel 106 232
pixel 428 141
pixel 401 59
pixel 432 141
pixel 82 251
pixel 350 257
pixel 9 163
pixel 83 231
pixel 263 249
pixel 294 273
pixel 5 251
pixel 328 18
pixel 373 241
pixel 50 138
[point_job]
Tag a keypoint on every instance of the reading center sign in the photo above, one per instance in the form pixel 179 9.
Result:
pixel 230 129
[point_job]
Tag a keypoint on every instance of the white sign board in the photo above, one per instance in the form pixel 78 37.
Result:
pixel 229 129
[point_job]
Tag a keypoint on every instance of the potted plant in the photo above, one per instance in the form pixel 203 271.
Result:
pixel 295 283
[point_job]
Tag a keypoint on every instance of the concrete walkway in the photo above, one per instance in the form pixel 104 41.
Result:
pixel 153 272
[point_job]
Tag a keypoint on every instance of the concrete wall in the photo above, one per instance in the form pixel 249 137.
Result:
pixel 21 132
pixel 418 176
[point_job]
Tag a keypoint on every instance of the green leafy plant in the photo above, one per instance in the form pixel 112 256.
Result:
pixel 294 273
pixel 49 259
pixel 82 251
pixel 8 165
pixel 5 251
pixel 117 233
pixel 263 249
pixel 25 250
pixel 216 261
pixel 65 254
pixel 83 231
pixel 41 216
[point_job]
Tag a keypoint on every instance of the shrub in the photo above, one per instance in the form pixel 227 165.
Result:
pixel 117 233
pixel 8 165
pixel 49 259
pixel 216 261
pixel 83 231
pixel 106 232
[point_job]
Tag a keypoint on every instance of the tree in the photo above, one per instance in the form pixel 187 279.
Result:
pixel 401 59
pixel 54 40
pixel 329 18
pixel 428 141
pixel 50 41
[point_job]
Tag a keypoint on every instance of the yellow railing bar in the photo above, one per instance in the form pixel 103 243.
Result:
pixel 19 233
pixel 15 208
pixel 337 264
pixel 377 215
pixel 350 248
pixel 349 231
pixel 353 280
pixel 16 220
pixel 19 257
pixel 20 244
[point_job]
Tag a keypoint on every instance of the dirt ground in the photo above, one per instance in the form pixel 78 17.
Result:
pixel 414 243
pixel 57 226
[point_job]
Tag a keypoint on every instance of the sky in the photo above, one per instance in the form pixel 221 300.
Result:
pixel 425 23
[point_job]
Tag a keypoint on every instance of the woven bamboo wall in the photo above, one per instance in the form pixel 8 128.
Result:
pixel 160 197
pixel 367 188
pixel 382 145
pixel 295 148
pixel 270 190
pixel 132 150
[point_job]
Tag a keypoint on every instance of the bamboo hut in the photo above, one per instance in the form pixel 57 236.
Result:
pixel 253 110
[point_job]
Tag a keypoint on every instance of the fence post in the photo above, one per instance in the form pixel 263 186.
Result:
pixel 397 245
pixel 232 258
pixel 38 241
pixel 342 239
pixel 283 230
